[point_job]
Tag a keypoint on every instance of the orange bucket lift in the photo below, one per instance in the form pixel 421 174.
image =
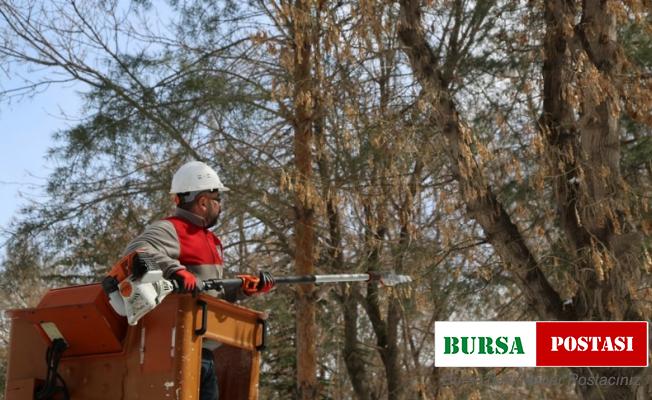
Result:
pixel 159 358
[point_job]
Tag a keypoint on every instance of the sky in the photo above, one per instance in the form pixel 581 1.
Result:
pixel 26 129
pixel 27 125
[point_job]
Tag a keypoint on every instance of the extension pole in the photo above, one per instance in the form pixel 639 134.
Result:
pixel 387 279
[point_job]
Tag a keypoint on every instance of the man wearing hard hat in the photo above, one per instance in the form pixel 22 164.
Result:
pixel 186 250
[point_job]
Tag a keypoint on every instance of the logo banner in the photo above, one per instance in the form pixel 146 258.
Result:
pixel 541 344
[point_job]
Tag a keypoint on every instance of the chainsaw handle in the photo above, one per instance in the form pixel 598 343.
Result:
pixel 219 284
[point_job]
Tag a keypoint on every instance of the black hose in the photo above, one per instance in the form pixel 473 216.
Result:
pixel 52 358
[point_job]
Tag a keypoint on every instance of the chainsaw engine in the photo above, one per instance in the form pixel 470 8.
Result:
pixel 135 286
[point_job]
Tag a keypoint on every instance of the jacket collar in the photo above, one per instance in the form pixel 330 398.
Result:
pixel 190 217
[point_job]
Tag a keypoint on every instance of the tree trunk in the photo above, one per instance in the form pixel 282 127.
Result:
pixel 385 329
pixel 354 357
pixel 356 364
pixel 481 202
pixel 584 155
pixel 307 388
pixel 385 325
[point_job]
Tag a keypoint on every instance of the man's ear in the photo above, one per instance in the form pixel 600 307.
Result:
pixel 202 201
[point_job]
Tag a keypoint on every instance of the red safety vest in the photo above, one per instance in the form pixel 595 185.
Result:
pixel 197 245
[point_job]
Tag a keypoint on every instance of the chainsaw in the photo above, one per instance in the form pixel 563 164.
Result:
pixel 135 285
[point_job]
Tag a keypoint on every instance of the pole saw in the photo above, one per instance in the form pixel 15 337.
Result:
pixel 386 279
pixel 135 285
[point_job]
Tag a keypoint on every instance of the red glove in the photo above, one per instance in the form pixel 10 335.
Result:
pixel 186 279
pixel 252 285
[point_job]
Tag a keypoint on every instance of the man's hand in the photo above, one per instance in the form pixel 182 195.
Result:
pixel 252 285
pixel 187 281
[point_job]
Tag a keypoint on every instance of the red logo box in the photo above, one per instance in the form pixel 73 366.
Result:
pixel 592 344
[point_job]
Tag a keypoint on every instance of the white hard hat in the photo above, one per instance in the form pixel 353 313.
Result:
pixel 196 176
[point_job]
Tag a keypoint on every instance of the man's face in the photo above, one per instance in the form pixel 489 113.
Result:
pixel 211 206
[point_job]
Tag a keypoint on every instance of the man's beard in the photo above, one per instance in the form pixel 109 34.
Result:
pixel 213 221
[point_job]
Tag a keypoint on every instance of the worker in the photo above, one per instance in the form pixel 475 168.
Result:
pixel 186 250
